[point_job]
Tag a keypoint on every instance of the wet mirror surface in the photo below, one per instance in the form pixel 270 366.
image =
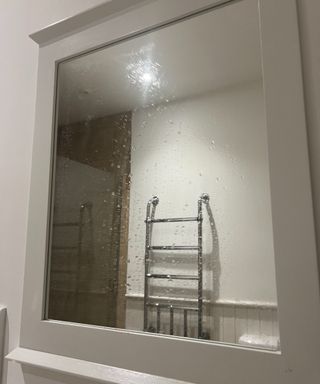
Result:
pixel 161 214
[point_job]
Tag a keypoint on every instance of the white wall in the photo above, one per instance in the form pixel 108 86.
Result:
pixel 214 143
pixel 18 74
pixel 18 66
pixel 309 11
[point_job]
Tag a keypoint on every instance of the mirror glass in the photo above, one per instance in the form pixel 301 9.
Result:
pixel 161 214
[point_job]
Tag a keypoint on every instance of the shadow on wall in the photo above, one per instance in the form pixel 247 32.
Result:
pixel 213 258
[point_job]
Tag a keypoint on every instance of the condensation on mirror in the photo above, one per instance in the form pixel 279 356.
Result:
pixel 161 214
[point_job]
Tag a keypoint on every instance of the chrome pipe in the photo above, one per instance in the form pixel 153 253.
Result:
pixel 200 299
pixel 176 307
pixel 172 220
pixel 174 247
pixel 158 318
pixel 149 216
pixel 204 199
pixel 185 323
pixel 171 277
pixel 171 320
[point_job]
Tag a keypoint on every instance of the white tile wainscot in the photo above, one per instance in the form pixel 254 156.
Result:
pixel 229 320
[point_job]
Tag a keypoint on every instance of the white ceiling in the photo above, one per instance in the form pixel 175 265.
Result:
pixel 205 53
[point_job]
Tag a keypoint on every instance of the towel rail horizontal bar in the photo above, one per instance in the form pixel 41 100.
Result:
pixel 171 277
pixel 172 220
pixel 174 247
pixel 175 307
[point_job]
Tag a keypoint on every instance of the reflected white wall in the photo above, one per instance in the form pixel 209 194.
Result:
pixel 214 143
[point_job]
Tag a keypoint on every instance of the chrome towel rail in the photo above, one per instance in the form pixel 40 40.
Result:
pixel 149 221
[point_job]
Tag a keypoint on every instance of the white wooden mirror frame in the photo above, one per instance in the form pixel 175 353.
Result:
pixel 294 241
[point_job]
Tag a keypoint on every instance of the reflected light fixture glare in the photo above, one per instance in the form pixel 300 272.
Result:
pixel 147 77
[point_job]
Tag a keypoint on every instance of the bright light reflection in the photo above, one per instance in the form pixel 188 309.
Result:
pixel 147 77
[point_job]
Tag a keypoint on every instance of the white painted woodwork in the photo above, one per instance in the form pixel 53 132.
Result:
pixel 84 19
pixel 294 242
pixel 3 314
pixel 85 369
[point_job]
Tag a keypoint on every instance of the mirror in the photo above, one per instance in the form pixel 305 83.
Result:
pixel 161 214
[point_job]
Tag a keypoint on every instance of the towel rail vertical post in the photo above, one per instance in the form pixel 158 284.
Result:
pixel 185 323
pixel 149 216
pixel 171 319
pixel 146 267
pixel 204 199
pixel 200 219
